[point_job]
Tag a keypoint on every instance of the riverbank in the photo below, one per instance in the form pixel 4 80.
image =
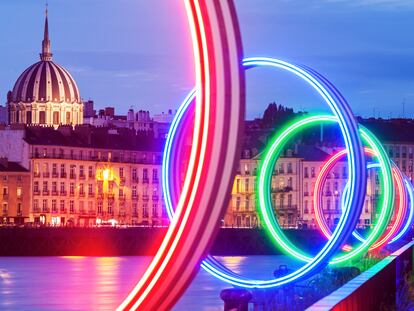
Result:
pixel 137 241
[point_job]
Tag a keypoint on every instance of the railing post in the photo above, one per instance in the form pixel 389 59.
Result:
pixel 235 299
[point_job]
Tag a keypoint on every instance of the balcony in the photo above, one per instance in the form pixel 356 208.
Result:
pixel 155 181
pixel 45 192
pixel 155 197
pixel 122 197
pixel 287 208
pixel 92 213
pixel 82 194
pixel 91 194
pixel 84 212
pixel 71 211
pixel 46 175
pixel 36 175
pixel 145 181
pixel 135 180
pixel 328 193
pixel 54 211
pixel 45 210
pixel 5 196
pixel 145 197
pixel 122 180
pixel 55 175
pixel 111 196
pixel 63 193
pixel 63 175
pixel 100 196
pixel 36 192
pixel 72 176
pixel 37 210
pixel 135 197
pixel 72 194
pixel 82 176
pixel 63 210
pixel 55 193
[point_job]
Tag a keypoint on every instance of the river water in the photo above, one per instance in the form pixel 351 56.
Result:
pixel 100 283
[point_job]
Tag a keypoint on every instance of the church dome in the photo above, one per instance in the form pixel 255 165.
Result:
pixel 45 81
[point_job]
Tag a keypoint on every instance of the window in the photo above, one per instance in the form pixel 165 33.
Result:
pixel 72 206
pixel 54 206
pixel 90 172
pixel 19 192
pixel 5 208
pixel 154 175
pixel 121 172
pixel 56 117
pixel 110 207
pixel 44 206
pixel 81 189
pixel 289 200
pixel 100 205
pixel 90 189
pixel 289 168
pixel 246 185
pixel 237 185
pixel 155 210
pixel 145 175
pixel 305 207
pixel 135 209
pixel 90 206
pixel 134 191
pixel 306 172
pixel 54 169
pixel 134 174
pixel 312 172
pixel 62 187
pixel 62 206
pixel 45 186
pixel 290 182
pixel 54 186
pixel 36 206
pixel 238 203
pixel 36 187
pixel 81 171
pixel 62 170
pixel 145 210
pixel 72 188
pixel 247 207
pixel 328 204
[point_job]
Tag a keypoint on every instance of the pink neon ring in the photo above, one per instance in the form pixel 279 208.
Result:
pixel 401 210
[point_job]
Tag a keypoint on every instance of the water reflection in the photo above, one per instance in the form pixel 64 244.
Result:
pixel 100 283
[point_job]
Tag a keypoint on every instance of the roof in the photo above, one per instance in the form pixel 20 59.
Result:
pixel 87 136
pixel 12 167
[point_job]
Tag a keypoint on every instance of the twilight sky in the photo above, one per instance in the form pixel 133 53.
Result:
pixel 127 53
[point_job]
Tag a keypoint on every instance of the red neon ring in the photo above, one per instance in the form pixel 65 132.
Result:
pixel 317 198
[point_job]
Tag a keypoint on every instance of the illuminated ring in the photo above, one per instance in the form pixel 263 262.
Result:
pixel 265 203
pixel 387 204
pixel 357 164
pixel 401 213
pixel 409 220
pixel 212 163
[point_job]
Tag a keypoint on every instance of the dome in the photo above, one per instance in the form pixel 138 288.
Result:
pixel 45 81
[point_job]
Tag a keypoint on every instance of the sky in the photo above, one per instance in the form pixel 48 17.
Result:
pixel 137 53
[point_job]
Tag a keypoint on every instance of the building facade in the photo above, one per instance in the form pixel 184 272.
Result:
pixel 15 195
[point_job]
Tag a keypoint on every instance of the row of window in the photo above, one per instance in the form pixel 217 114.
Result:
pixel 97 155
pixel 59 206
pixel 101 173
pixel 90 188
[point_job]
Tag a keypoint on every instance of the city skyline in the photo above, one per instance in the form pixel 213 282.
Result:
pixel 137 70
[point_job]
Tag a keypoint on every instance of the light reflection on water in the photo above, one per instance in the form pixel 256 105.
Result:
pixel 100 283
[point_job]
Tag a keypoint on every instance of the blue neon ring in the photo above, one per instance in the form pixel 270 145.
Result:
pixel 348 127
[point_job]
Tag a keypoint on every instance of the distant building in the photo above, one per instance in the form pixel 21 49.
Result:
pixel 3 115
pixel 15 196
pixel 164 117
pixel 45 93
pixel 88 109
pixel 88 175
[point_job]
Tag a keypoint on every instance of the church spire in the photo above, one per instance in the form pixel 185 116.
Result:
pixel 46 54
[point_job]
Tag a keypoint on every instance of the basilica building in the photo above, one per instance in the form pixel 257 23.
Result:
pixel 45 93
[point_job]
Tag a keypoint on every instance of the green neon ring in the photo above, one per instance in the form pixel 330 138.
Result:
pixel 265 203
